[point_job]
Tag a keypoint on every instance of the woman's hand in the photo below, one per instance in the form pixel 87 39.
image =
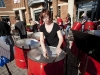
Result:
pixel 58 50
pixel 45 54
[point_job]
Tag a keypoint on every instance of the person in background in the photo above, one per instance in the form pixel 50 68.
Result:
pixel 5 37
pixel 52 33
pixel 20 26
pixel 84 20
pixel 34 25
pixel 59 22
pixel 68 23
pixel 40 20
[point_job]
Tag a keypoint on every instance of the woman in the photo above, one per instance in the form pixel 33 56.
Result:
pixel 59 22
pixel 33 26
pixel 68 23
pixel 20 27
pixel 52 33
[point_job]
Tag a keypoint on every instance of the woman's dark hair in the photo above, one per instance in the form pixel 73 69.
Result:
pixel 45 12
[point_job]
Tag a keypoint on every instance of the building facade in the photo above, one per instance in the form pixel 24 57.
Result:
pixel 27 9
pixel 57 7
pixel 21 9
pixel 6 12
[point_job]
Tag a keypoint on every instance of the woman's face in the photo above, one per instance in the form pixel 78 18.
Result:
pixel 46 19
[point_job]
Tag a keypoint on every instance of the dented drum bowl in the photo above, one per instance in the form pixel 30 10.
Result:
pixel 21 48
pixel 38 65
pixel 36 36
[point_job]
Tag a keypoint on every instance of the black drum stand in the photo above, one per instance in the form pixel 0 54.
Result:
pixel 8 69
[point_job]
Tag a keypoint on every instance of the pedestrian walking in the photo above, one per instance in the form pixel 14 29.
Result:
pixel 6 40
pixel 20 27
pixel 68 23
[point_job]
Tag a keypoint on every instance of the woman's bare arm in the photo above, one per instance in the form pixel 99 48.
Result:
pixel 42 41
pixel 60 38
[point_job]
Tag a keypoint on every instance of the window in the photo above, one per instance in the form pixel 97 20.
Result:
pixel 5 18
pixel 2 4
pixel 37 13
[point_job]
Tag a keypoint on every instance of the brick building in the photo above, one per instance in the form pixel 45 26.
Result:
pixel 6 11
pixel 9 9
pixel 26 9
pixel 59 7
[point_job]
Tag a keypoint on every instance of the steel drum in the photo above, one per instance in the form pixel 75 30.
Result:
pixel 89 26
pixel 95 24
pixel 94 32
pixel 29 34
pixel 90 58
pixel 36 35
pixel 21 48
pixel 39 65
pixel 89 66
pixel 93 67
pixel 77 26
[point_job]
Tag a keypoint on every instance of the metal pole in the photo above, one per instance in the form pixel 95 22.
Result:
pixel 8 69
pixel 46 4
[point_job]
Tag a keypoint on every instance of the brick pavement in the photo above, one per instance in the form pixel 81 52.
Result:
pixel 71 67
pixel 13 68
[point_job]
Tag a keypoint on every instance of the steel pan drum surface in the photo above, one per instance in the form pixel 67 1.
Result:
pixel 37 64
pixel 19 51
pixel 29 34
pixel 37 55
pixel 26 42
pixel 36 35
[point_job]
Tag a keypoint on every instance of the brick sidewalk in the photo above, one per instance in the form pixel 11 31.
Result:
pixel 71 68
pixel 13 68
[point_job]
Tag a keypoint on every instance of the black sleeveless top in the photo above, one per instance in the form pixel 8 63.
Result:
pixel 51 38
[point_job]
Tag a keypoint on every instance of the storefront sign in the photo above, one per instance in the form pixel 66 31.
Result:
pixel 16 1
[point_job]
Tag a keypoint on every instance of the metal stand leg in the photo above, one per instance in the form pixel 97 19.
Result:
pixel 8 69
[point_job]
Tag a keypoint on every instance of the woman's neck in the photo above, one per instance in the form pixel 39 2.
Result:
pixel 49 23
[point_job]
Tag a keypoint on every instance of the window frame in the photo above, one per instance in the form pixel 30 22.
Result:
pixel 1 4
